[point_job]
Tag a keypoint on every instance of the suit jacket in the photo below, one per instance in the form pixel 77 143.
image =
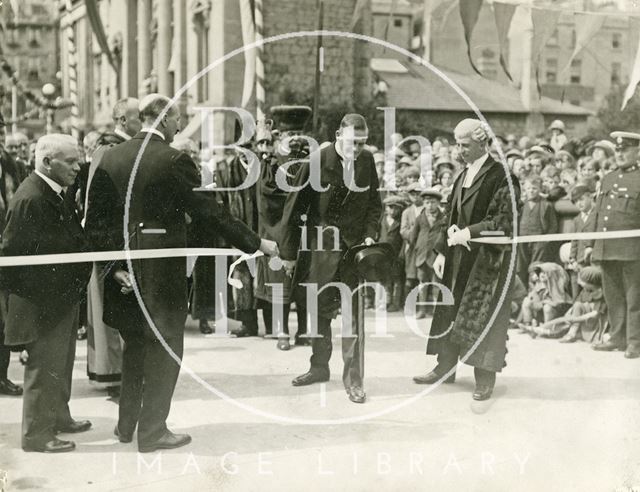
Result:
pixel 424 237
pixel 164 189
pixel 354 215
pixel 579 225
pixel 38 222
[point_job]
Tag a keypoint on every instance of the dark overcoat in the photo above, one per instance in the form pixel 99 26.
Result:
pixel 355 215
pixel 38 222
pixel 480 277
pixel 164 189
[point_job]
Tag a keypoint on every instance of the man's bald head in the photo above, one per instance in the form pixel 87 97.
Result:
pixel 126 116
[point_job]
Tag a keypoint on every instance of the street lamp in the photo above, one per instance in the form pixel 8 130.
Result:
pixel 48 91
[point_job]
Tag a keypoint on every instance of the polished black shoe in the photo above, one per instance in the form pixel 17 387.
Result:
pixel 302 341
pixel 433 377
pixel 113 391
pixel 168 441
pixel 205 327
pixel 482 392
pixel 242 332
pixel 122 437
pixel 54 446
pixel 607 347
pixel 8 388
pixel 356 394
pixel 74 427
pixel 632 353
pixel 313 376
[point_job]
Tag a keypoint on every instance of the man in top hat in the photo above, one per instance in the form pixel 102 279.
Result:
pixel 476 274
pixel 341 218
pixel 618 209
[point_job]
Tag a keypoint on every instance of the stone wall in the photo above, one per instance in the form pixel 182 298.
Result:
pixel 290 64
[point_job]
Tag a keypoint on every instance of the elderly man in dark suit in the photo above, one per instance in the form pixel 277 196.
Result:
pixel 341 216
pixel 43 300
pixel 163 190
pixel 481 203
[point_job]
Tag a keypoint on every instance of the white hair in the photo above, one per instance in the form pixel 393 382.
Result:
pixel 53 145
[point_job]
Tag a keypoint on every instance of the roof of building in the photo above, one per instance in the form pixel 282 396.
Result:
pixel 420 88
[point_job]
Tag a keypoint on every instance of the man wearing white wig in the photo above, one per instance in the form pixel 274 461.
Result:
pixel 474 327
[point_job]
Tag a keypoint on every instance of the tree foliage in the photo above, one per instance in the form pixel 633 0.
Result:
pixel 612 119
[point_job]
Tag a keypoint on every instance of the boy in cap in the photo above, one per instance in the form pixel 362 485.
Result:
pixel 390 233
pixel 580 256
pixel 425 233
pixel 538 217
pixel 408 222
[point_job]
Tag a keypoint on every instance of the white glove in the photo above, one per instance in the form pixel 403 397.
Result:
pixel 460 238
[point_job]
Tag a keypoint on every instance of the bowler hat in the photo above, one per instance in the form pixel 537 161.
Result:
pixel 373 262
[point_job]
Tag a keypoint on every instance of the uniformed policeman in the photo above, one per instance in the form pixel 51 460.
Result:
pixel 618 209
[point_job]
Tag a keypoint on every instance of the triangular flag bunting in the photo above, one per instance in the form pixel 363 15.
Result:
pixel 469 13
pixel 544 23
pixel 503 13
pixel 633 81
pixel 587 26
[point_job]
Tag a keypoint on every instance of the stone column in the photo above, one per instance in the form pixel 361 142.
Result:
pixel 144 43
pixel 164 41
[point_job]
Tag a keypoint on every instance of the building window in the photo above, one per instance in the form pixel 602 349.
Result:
pixel 397 22
pixel 576 71
pixel 34 37
pixel 553 40
pixel 615 73
pixel 551 74
pixel 616 40
pixel 33 74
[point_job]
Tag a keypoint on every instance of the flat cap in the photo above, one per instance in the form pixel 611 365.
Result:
pixel 395 200
pixel 431 193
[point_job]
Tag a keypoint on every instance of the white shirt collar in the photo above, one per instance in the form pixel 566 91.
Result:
pixel 54 186
pixel 122 134
pixel 154 131
pixel 472 170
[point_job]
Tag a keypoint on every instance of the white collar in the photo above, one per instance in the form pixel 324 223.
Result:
pixel 473 169
pixel 122 134
pixel 54 186
pixel 154 131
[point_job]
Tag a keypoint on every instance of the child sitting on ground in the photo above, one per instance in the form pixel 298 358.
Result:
pixel 587 318
pixel 547 300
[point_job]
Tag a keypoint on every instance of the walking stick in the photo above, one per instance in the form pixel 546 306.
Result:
pixel 360 328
